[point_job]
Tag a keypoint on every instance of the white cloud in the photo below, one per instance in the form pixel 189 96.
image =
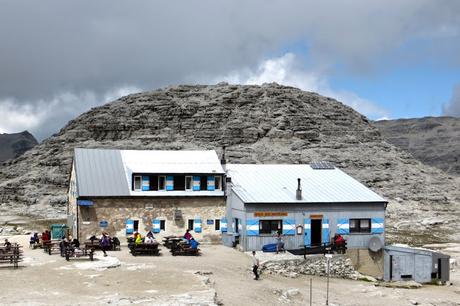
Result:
pixel 286 70
pixel 45 116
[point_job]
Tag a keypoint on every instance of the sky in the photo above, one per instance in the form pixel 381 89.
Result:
pixel 386 59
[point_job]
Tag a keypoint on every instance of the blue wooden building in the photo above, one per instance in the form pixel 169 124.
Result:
pixel 307 203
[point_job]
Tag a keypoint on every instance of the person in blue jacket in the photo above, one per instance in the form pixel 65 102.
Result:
pixel 194 244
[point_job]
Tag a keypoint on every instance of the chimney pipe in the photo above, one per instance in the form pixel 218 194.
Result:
pixel 298 192
pixel 223 161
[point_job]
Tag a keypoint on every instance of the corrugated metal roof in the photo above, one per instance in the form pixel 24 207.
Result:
pixel 138 161
pixel 104 172
pixel 278 184
pixel 100 173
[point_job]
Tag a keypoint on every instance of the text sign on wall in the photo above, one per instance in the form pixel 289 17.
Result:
pixel 209 222
pixel 103 223
pixel 270 214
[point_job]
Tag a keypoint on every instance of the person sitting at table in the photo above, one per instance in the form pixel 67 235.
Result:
pixel 188 236
pixel 149 239
pixel 7 245
pixel 45 236
pixel 138 238
pixel 194 244
pixel 74 242
pixel 33 239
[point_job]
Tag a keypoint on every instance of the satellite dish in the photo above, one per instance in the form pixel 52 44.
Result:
pixel 375 244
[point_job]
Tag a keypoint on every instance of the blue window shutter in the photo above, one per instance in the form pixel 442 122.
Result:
pixel 252 227
pixel 129 226
pixel 196 183
pixel 211 183
pixel 377 225
pixel 307 232
pixel 343 227
pixel 325 233
pixel 288 227
pixel 169 182
pixel 156 225
pixel 145 183
pixel 197 225
pixel 223 225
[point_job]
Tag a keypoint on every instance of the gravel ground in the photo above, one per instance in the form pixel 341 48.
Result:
pixel 121 279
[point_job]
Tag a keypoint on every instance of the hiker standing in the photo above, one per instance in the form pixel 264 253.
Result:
pixel 255 265
pixel 105 242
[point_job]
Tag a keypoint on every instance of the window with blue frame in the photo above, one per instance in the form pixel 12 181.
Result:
pixel 360 225
pixel 270 226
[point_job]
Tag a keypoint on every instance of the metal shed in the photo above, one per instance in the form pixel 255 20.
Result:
pixel 418 264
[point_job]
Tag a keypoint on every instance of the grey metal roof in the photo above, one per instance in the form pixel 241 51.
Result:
pixel 105 172
pixel 413 250
pixel 100 173
pixel 278 183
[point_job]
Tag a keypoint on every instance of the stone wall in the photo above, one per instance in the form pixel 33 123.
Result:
pixel 340 266
pixel 116 210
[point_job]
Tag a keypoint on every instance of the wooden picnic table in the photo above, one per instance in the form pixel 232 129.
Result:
pixel 11 255
pixel 72 252
pixel 169 241
pixel 145 249
pixel 183 248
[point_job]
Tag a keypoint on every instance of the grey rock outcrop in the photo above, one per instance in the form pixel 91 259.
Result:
pixel 257 124
pixel 340 266
pixel 433 140
pixel 14 145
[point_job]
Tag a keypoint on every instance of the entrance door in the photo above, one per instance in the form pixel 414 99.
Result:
pixel 136 225
pixel 316 231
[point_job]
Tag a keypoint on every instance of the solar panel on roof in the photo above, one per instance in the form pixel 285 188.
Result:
pixel 321 165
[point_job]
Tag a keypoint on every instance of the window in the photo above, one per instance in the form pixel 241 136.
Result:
pixel 360 225
pixel 270 226
pixel 217 224
pixel 162 225
pixel 138 183
pixel 190 224
pixel 217 181
pixel 188 183
pixel 162 183
pixel 203 183
pixel 136 225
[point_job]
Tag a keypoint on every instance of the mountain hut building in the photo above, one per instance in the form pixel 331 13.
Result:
pixel 127 191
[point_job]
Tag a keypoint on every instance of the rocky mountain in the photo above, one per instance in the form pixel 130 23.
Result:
pixel 14 145
pixel 433 140
pixel 257 124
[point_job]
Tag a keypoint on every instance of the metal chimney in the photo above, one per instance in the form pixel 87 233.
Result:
pixel 223 161
pixel 298 192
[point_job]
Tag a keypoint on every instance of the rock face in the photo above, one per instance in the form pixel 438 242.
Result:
pixel 433 140
pixel 14 145
pixel 257 124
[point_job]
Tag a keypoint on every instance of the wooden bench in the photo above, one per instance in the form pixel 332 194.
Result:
pixel 11 255
pixel 52 246
pixel 149 249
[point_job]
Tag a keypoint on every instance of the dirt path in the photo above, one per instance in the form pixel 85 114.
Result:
pixel 168 280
